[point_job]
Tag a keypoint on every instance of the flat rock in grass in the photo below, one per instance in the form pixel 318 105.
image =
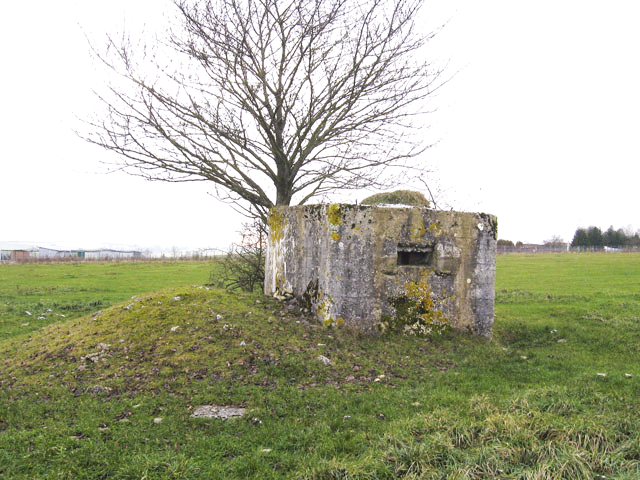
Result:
pixel 93 357
pixel 214 411
pixel 99 390
pixel 324 360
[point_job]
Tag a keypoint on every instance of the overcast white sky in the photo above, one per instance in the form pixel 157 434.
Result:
pixel 540 126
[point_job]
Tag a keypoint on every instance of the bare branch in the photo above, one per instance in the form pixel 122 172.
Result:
pixel 274 101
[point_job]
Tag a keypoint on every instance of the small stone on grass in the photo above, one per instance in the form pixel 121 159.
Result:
pixel 99 389
pixel 324 360
pixel 215 411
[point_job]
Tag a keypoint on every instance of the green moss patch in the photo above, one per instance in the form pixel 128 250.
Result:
pixel 399 197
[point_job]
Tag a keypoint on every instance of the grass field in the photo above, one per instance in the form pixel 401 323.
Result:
pixel 109 393
pixel 54 292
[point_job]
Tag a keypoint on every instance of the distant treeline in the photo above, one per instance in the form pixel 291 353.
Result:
pixel 594 238
pixel 591 238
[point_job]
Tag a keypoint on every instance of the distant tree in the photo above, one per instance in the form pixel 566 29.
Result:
pixel 580 239
pixel 629 232
pixel 609 237
pixel 273 101
pixel 631 237
pixel 519 243
pixel 595 238
pixel 622 237
pixel 633 241
pixel 615 238
pixel 554 241
pixel 505 243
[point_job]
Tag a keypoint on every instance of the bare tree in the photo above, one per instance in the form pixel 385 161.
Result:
pixel 274 101
pixel 554 241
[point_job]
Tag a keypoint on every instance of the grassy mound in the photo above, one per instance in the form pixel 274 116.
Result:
pixel 189 335
pixel 399 197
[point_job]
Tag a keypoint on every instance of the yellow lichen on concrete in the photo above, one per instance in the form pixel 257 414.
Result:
pixel 417 310
pixel 418 230
pixel 335 236
pixel 323 310
pixel 276 223
pixel 334 214
pixel 434 228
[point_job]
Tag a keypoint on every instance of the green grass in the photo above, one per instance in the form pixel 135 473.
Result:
pixel 54 292
pixel 527 405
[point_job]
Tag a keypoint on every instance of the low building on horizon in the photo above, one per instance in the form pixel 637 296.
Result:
pixel 45 253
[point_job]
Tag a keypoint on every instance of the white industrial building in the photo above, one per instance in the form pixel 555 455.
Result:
pixel 108 254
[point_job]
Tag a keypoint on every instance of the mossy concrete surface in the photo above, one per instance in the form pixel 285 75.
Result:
pixel 346 261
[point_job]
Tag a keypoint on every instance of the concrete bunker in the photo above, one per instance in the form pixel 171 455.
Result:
pixel 347 261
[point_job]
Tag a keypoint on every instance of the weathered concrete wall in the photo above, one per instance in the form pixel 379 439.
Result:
pixel 347 260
